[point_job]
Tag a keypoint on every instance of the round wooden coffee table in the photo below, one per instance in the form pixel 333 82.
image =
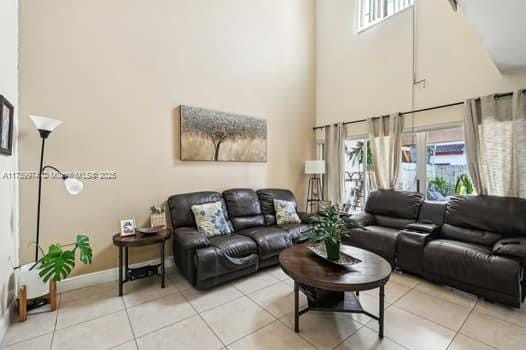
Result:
pixel 334 288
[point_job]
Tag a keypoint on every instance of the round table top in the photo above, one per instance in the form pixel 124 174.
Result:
pixel 139 239
pixel 305 267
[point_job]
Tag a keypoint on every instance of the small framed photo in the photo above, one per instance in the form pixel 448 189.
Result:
pixel 6 126
pixel 128 227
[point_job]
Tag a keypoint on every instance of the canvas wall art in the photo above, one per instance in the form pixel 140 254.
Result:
pixel 220 136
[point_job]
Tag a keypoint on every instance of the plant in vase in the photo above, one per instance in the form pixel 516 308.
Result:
pixel 328 227
pixel 58 263
pixel 157 217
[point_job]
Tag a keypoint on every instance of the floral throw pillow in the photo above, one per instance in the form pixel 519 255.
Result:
pixel 210 219
pixel 286 212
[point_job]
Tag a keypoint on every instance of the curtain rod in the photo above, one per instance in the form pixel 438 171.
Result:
pixel 416 110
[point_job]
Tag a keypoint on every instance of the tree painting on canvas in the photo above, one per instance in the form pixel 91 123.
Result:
pixel 220 136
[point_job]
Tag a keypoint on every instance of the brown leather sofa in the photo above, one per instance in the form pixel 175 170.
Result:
pixel 474 243
pixel 255 243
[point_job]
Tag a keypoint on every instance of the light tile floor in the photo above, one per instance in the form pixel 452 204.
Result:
pixel 256 313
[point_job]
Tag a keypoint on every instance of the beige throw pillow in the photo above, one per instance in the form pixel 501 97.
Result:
pixel 210 219
pixel 286 212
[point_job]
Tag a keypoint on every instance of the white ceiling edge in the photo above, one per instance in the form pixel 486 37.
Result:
pixel 501 27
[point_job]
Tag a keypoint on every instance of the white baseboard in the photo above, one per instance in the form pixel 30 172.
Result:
pixel 104 276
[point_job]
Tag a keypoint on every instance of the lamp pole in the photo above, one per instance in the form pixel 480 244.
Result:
pixel 43 134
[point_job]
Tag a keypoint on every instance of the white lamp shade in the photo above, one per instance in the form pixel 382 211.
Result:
pixel 74 186
pixel 45 123
pixel 314 167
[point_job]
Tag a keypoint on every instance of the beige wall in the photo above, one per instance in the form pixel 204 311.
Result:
pixel 116 72
pixel 370 73
pixel 8 164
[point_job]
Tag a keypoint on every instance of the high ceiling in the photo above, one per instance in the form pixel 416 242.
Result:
pixel 501 27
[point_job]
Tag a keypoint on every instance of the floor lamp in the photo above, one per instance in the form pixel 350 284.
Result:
pixel 32 288
pixel 314 168
pixel 45 127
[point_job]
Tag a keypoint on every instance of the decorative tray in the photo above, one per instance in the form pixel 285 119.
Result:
pixel 149 230
pixel 344 260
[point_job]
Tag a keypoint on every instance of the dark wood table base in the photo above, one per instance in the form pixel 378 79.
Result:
pixel 329 301
pixel 127 273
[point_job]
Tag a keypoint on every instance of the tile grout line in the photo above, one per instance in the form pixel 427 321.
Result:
pixel 462 325
pixel 444 299
pixel 130 324
pixel 502 319
pixel 278 319
pixel 202 319
pixel 166 326
pixel 56 321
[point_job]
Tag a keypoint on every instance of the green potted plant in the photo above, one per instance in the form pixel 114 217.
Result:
pixel 464 185
pixel 328 227
pixel 58 262
pixel 440 184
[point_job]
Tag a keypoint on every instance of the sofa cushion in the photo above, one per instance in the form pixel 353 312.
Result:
pixel 472 264
pixel 243 208
pixel 502 215
pixel 469 235
pixel 297 232
pixel 180 206
pixel 395 204
pixel 377 239
pixel 266 198
pixel 432 212
pixel 514 248
pixel 392 222
pixel 235 245
pixel 270 240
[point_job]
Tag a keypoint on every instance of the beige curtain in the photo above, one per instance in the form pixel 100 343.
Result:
pixel 335 164
pixel 385 137
pixel 495 136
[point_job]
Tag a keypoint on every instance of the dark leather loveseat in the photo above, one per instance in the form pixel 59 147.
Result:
pixel 474 243
pixel 255 243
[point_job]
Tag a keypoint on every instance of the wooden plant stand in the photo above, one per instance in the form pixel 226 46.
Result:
pixel 51 298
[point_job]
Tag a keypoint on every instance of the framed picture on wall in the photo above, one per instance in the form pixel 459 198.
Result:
pixel 6 126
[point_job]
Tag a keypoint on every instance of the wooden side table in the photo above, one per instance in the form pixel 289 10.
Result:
pixel 139 240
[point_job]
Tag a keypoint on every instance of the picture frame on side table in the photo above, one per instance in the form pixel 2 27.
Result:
pixel 127 227
pixel 6 126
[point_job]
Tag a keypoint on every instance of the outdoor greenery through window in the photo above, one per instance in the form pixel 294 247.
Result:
pixel 358 166
pixel 374 11
pixel 434 162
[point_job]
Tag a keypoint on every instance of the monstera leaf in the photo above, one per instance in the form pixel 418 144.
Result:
pixel 57 263
pixel 85 249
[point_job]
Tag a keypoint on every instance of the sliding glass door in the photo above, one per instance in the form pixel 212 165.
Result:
pixel 434 163
pixel 357 173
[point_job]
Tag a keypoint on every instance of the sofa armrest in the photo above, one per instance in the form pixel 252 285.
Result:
pixel 190 239
pixel 514 248
pixel 423 227
pixel 304 217
pixel 363 219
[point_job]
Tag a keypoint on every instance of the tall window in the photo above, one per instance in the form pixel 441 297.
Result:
pixel 434 163
pixel 358 164
pixel 374 11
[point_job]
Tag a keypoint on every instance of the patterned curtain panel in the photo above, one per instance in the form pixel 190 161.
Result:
pixel 335 184
pixel 495 135
pixel 385 137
